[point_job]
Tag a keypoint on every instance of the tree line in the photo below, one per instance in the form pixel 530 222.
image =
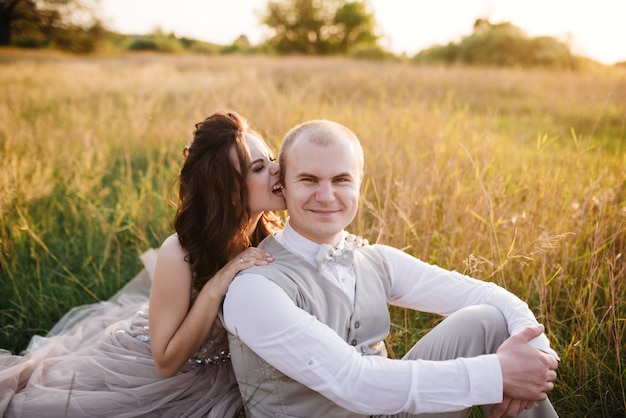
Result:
pixel 309 27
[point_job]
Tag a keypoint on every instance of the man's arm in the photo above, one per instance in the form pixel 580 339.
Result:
pixel 429 288
pixel 294 342
pixel 528 363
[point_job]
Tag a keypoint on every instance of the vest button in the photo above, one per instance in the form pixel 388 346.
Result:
pixel 363 349
pixel 357 324
pixel 353 342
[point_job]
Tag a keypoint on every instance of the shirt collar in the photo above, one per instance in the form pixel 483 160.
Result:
pixel 301 246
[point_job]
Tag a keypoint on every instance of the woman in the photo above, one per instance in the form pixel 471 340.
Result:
pixel 112 358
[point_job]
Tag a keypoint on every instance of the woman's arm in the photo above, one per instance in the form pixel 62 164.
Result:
pixel 176 330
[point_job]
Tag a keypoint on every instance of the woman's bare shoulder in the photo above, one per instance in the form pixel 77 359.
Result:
pixel 172 248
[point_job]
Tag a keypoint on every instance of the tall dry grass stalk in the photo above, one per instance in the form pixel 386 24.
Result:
pixel 508 175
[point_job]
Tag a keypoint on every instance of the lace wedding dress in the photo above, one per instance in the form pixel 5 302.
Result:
pixel 96 362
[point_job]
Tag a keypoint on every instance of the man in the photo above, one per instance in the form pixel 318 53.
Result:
pixel 309 343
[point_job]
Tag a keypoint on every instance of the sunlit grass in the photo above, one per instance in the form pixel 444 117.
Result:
pixel 512 176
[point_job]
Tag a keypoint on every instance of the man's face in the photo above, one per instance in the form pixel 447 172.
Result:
pixel 321 188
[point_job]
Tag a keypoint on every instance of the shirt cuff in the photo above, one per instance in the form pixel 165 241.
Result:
pixel 485 379
pixel 541 343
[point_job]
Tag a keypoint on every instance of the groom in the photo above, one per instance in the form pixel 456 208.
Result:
pixel 306 331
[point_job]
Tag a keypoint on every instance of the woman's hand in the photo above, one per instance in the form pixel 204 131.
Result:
pixel 250 257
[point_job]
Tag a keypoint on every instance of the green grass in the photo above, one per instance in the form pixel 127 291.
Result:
pixel 518 177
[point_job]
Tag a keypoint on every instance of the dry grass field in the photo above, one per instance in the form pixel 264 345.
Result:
pixel 512 176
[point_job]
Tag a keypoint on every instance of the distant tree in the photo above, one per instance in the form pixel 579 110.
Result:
pixel 502 44
pixel 67 24
pixel 355 26
pixel 7 13
pixel 241 45
pixel 158 40
pixel 319 27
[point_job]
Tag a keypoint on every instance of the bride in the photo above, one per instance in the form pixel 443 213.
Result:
pixel 157 348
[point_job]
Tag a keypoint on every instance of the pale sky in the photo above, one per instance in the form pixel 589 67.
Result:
pixel 596 29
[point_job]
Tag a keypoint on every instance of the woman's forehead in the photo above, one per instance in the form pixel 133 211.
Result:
pixel 256 146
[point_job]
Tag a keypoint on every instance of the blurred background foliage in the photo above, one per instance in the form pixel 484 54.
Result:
pixel 304 27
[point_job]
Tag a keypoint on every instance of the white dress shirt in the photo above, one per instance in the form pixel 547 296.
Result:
pixel 261 314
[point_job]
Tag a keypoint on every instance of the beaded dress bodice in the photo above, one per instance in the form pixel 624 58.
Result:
pixel 215 348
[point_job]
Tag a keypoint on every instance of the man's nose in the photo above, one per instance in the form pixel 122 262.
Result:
pixel 325 192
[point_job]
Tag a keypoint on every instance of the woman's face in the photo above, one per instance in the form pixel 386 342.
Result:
pixel 263 182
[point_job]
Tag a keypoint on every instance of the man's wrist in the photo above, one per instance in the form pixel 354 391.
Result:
pixel 485 379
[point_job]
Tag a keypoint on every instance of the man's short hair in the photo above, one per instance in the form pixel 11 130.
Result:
pixel 321 132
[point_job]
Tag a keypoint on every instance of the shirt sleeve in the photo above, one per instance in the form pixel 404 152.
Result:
pixel 306 350
pixel 429 288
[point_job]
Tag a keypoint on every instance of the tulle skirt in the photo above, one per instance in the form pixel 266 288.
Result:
pixel 96 362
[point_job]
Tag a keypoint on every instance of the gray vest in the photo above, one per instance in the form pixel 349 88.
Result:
pixel 269 393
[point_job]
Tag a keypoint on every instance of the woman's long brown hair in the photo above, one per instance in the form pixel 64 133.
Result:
pixel 212 216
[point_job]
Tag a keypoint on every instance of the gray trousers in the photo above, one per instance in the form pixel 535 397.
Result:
pixel 469 332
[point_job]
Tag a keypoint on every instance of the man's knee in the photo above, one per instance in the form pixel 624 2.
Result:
pixel 482 320
pixel 469 332
pixel 487 316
